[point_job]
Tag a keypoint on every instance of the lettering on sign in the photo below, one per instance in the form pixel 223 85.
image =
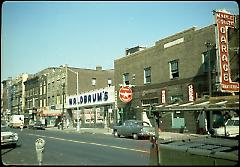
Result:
pixel 95 97
pixel 224 21
pixel 191 94
pixel 163 92
pixel 125 94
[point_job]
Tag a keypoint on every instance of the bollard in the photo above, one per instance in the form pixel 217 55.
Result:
pixel 39 144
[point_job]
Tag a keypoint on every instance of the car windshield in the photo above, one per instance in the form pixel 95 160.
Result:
pixel 143 124
pixel 4 129
pixel 233 123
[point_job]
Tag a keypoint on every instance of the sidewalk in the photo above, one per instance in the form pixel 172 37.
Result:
pixel 106 131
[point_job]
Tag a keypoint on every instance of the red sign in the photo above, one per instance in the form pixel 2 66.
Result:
pixel 225 20
pixel 125 94
pixel 191 94
pixel 163 96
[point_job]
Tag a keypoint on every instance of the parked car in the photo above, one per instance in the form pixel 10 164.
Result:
pixel 232 128
pixel 8 137
pixel 36 125
pixel 135 129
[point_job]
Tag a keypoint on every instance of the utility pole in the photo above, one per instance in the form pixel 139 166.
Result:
pixel 63 91
pixel 208 45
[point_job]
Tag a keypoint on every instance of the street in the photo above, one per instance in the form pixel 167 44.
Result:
pixel 68 148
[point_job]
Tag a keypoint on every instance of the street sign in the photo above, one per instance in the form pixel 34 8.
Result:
pixel 125 94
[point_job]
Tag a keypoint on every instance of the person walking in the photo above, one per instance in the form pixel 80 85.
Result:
pixel 202 122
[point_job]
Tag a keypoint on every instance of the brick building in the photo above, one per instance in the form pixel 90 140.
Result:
pixel 173 67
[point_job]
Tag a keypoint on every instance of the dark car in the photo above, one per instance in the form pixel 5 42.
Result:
pixel 135 129
pixel 36 125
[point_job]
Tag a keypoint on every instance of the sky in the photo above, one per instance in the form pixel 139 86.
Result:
pixel 84 34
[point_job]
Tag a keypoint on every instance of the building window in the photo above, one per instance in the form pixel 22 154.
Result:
pixel 126 79
pixel 58 99
pixel 147 75
pixel 205 62
pixel 176 99
pixel 174 70
pixel 44 89
pixel 44 102
pixel 146 102
pixel 41 104
pixel 109 82
pixel 94 80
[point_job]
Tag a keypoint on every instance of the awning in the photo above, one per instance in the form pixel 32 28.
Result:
pixel 207 104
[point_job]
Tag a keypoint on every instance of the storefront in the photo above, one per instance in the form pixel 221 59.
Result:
pixel 92 109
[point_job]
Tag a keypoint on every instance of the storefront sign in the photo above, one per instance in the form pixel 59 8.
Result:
pixel 125 94
pixel 163 92
pixel 191 94
pixel 224 21
pixel 96 97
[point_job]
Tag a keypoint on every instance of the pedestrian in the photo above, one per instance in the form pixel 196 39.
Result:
pixel 202 122
pixel 67 123
pixel 21 125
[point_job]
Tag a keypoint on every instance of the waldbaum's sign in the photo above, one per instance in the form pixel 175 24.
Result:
pixel 224 21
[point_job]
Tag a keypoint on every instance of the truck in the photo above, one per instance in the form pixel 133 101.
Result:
pixel 16 121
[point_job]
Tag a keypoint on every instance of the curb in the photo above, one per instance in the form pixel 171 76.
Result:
pixel 81 131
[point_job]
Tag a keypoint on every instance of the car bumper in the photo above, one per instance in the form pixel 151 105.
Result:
pixel 8 142
pixel 146 134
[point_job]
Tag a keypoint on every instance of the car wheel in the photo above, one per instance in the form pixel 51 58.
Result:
pixel 135 136
pixel 116 134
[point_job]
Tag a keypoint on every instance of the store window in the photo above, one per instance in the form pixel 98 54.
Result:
pixel 174 69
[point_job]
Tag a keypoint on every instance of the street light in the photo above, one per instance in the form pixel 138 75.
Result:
pixel 78 123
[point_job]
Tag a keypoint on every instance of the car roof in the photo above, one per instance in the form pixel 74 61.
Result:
pixel 235 118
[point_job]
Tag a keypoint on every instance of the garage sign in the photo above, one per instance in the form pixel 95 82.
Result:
pixel 125 94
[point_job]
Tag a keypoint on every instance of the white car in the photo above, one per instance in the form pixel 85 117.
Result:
pixel 8 137
pixel 232 128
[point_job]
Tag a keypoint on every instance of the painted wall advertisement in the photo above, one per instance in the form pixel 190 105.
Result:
pixel 224 21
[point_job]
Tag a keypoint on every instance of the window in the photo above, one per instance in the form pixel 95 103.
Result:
pixel 147 75
pixel 177 98
pixel 126 78
pixel 58 99
pixel 205 62
pixel 109 82
pixel 44 102
pixel 174 70
pixel 149 101
pixel 94 81
pixel 41 103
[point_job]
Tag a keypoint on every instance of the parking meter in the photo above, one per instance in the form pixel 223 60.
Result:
pixel 39 144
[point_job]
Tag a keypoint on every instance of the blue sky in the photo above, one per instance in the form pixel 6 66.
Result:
pixel 36 35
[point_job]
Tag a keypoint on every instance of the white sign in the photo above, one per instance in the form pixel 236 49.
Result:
pixel 95 97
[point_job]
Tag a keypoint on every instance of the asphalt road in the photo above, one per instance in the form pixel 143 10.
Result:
pixel 66 148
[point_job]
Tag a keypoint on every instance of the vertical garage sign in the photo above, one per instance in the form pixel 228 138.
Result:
pixel 224 21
